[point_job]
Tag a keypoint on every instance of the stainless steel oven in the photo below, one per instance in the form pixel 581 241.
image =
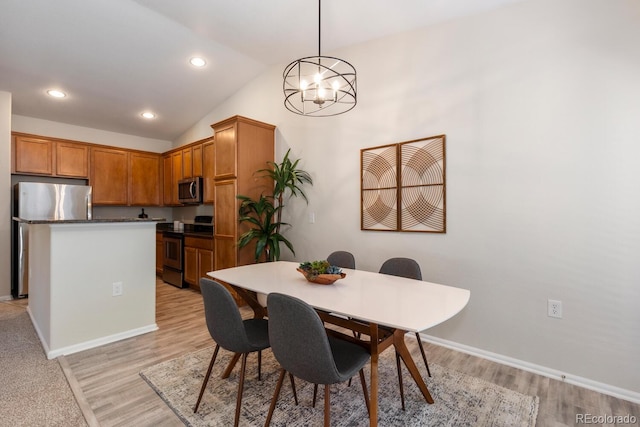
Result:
pixel 172 271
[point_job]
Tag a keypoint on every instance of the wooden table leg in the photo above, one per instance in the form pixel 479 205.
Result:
pixel 403 351
pixel 373 408
pixel 231 365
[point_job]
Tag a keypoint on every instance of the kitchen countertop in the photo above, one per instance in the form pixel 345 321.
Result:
pixel 85 221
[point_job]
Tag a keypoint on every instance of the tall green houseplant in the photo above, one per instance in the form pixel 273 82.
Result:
pixel 264 215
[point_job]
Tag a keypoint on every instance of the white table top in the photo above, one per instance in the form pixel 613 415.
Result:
pixel 406 304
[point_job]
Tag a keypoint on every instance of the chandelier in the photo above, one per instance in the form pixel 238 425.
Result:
pixel 319 86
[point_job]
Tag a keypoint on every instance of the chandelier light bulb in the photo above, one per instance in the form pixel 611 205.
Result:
pixel 303 85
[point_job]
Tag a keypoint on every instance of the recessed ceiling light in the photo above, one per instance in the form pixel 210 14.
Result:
pixel 56 93
pixel 148 115
pixel 197 61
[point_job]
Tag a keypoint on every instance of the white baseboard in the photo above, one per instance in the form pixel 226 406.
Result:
pixel 6 298
pixel 52 354
pixel 603 388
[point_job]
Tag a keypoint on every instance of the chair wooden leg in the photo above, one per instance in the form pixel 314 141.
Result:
pixel 259 365
pixel 327 405
pixel 206 378
pixel 315 394
pixel 293 387
pixel 400 379
pixel 364 390
pixel 274 399
pixel 424 355
pixel 243 368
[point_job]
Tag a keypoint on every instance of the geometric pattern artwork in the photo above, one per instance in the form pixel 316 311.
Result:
pixel 380 188
pixel 403 186
pixel 422 185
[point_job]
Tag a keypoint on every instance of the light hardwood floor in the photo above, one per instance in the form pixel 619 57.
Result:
pixel 118 396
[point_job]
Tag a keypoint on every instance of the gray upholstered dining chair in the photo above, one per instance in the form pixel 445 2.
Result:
pixel 230 332
pixel 409 268
pixel 301 345
pixel 342 259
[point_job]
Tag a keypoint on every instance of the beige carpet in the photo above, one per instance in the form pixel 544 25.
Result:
pixel 33 390
pixel 460 400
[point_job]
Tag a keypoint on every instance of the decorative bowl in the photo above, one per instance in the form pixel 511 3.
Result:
pixel 321 279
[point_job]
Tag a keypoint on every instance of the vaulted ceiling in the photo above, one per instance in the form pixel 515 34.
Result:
pixel 117 58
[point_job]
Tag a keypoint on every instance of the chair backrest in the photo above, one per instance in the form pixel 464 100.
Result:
pixel 299 341
pixel 342 259
pixel 223 317
pixel 403 267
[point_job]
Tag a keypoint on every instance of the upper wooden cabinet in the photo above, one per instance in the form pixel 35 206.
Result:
pixel 167 181
pixel 208 165
pixel 72 160
pixel 176 175
pixel 187 163
pixel 197 160
pixel 109 176
pixel 225 149
pixel 145 176
pixel 125 178
pixel 33 155
pixel 49 156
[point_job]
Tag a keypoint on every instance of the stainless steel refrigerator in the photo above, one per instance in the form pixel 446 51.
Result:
pixel 42 201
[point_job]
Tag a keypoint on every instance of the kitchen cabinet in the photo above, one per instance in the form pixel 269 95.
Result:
pixel 72 160
pixel 172 173
pixel 198 259
pixel 187 162
pixel 196 164
pixel 125 177
pixel 167 180
pixel 109 176
pixel 242 147
pixel 144 179
pixel 35 155
pixel 159 253
pixel 208 154
pixel 176 175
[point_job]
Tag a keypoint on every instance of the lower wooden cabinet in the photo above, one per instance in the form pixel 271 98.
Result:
pixel 159 253
pixel 198 259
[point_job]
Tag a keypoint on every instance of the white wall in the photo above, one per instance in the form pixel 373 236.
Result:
pixel 539 102
pixel 5 195
pixel 83 134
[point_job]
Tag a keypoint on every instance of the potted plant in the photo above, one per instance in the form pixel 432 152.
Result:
pixel 264 215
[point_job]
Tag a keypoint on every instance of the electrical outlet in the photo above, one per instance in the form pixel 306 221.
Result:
pixel 312 218
pixel 117 289
pixel 554 308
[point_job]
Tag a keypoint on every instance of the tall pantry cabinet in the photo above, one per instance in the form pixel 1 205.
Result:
pixel 242 147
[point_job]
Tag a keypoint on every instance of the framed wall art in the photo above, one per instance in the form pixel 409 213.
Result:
pixel 403 186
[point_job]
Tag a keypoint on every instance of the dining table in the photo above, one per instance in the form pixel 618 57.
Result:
pixel 382 307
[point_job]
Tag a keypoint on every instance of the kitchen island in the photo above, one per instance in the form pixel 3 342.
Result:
pixel 91 282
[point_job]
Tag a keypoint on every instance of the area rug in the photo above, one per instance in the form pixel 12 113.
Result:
pixel 460 400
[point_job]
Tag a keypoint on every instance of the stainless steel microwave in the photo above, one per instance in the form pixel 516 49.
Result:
pixel 190 190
